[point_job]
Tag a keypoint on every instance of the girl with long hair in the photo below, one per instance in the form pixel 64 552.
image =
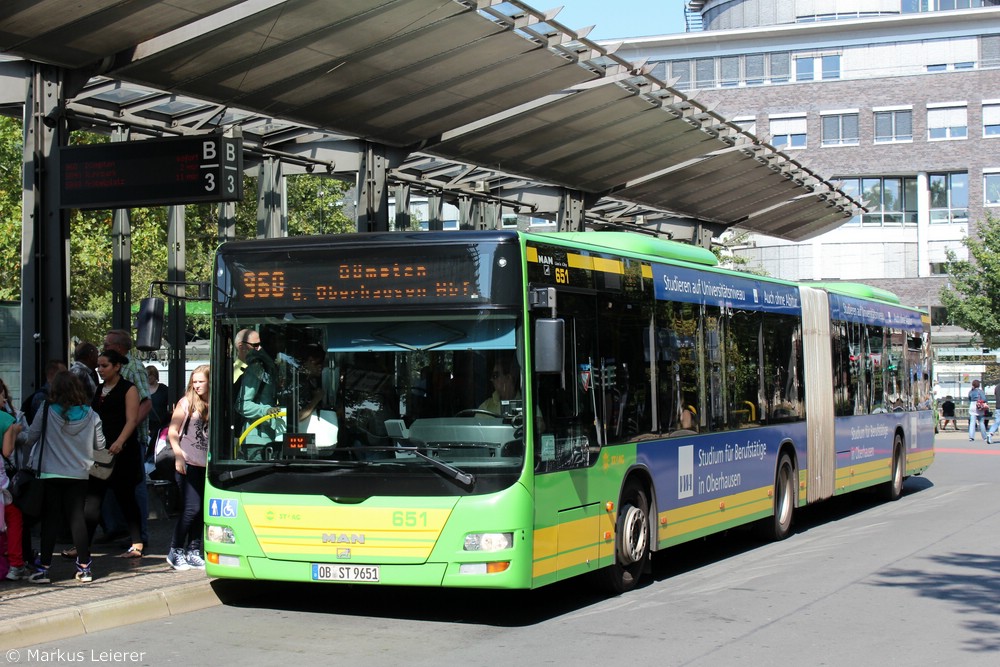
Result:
pixel 188 434
pixel 72 433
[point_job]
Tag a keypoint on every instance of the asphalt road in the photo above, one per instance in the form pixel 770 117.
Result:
pixel 861 582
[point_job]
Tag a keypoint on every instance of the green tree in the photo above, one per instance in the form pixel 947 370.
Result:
pixel 724 251
pixel 973 291
pixel 10 209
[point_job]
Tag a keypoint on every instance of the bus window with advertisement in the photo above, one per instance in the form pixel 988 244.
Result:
pixel 506 410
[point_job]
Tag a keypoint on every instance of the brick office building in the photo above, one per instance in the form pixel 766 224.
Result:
pixel 899 100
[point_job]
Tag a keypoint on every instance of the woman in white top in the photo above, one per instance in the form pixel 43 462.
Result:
pixel 188 434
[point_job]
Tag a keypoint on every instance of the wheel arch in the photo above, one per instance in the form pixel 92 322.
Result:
pixel 788 447
pixel 641 475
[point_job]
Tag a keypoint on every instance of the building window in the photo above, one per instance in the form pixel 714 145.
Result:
pixel 852 188
pixel 991 189
pixel 991 120
pixel 840 129
pixel 831 67
pixel 940 67
pixel 891 200
pixel 746 123
pixel 780 67
pixel 754 64
pixel 788 132
pixel 915 6
pixel 804 69
pixel 939 316
pixel 949 197
pixel 681 70
pixel 729 71
pixel 939 268
pixel 704 71
pixel 945 123
pixel 894 125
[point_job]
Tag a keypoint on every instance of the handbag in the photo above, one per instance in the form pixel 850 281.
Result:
pixel 27 488
pixel 104 464
pixel 28 492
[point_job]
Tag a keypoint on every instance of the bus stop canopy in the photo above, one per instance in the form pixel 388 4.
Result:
pixel 497 94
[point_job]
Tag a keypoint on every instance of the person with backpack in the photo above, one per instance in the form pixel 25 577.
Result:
pixel 978 408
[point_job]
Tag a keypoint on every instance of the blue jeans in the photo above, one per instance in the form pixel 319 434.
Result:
pixel 977 422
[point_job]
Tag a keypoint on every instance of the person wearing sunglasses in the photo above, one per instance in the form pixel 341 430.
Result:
pixel 506 379
pixel 256 394
pixel 246 340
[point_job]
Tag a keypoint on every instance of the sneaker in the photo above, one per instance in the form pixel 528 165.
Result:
pixel 40 576
pixel 83 574
pixel 195 560
pixel 177 559
pixel 17 573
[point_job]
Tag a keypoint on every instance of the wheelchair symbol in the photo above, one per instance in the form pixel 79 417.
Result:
pixel 229 509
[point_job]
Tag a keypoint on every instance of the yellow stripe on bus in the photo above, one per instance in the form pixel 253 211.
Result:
pixel 584 540
pixel 572 543
pixel 698 518
pixel 595 263
pixel 371 532
pixel 863 474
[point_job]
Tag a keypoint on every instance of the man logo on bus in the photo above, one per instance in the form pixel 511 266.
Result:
pixel 685 471
pixel 343 538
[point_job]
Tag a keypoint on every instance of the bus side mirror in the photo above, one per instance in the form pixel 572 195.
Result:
pixel 149 323
pixel 550 339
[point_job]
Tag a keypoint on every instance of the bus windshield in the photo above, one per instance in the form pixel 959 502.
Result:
pixel 429 404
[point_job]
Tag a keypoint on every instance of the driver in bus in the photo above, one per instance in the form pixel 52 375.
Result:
pixel 506 379
pixel 256 398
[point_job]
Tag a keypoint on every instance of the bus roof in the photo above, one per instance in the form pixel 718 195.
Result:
pixel 638 243
pixel 859 290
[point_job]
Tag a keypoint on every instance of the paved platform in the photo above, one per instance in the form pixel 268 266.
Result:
pixel 124 590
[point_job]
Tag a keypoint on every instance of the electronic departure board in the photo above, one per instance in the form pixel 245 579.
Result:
pixel 331 277
pixel 154 172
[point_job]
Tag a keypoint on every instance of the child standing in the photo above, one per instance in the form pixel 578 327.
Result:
pixel 11 521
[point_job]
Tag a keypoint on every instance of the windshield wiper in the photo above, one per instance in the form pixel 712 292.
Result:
pixel 457 474
pixel 231 475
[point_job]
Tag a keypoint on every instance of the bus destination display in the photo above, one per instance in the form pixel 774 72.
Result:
pixel 449 278
pixel 154 172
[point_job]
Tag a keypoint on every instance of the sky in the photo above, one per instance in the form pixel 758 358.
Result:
pixel 619 18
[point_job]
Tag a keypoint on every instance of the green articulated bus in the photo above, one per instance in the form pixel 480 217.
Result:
pixel 500 409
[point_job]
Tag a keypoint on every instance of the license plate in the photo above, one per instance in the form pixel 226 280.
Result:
pixel 327 572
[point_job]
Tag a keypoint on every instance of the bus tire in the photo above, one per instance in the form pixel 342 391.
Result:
pixel 779 526
pixel 893 489
pixel 632 536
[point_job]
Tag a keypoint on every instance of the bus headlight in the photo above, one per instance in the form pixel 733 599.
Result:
pixel 220 534
pixel 489 541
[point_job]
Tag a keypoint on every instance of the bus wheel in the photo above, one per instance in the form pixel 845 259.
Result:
pixel 631 540
pixel 779 526
pixel 893 489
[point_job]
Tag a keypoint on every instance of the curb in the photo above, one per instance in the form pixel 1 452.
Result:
pixel 107 614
